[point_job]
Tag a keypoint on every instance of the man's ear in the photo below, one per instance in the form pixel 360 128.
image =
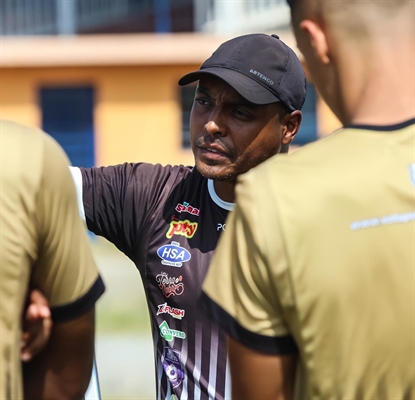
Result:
pixel 291 123
pixel 317 39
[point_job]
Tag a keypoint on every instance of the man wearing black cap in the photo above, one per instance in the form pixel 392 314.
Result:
pixel 168 219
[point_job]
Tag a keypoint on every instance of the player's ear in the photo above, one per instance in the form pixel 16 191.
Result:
pixel 317 40
pixel 291 123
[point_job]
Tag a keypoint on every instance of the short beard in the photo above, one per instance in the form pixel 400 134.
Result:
pixel 231 178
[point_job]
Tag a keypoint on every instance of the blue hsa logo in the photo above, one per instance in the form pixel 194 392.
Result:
pixel 173 255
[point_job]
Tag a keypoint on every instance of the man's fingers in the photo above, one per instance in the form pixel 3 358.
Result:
pixel 37 311
pixel 38 306
pixel 35 339
pixel 37 325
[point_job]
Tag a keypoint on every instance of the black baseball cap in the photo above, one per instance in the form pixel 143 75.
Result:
pixel 260 67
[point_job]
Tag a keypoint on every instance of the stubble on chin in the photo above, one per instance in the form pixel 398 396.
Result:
pixel 209 172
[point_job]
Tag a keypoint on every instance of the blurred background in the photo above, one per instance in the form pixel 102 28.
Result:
pixel 100 76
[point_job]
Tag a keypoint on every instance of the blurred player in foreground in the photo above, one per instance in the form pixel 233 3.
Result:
pixel 43 245
pixel 314 277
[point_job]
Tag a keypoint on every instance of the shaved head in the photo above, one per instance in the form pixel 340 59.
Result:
pixel 349 15
pixel 351 46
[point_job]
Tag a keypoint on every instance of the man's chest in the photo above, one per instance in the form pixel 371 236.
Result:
pixel 180 245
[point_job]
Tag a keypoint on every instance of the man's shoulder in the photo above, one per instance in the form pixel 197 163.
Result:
pixel 301 163
pixel 145 173
pixel 142 167
pixel 313 171
pixel 25 152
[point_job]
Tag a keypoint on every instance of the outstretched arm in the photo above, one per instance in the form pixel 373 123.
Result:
pixel 260 376
pixel 63 370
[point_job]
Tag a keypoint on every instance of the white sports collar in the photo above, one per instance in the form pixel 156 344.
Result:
pixel 221 203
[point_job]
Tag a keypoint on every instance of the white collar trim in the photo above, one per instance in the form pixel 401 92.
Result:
pixel 221 203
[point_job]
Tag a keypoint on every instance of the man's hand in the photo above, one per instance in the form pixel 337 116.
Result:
pixel 37 325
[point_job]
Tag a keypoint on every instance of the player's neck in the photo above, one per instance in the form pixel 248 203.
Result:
pixel 225 190
pixel 382 90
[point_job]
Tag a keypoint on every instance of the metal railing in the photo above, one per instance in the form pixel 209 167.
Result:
pixel 67 17
pixel 225 17
pixel 49 17
pixel 27 17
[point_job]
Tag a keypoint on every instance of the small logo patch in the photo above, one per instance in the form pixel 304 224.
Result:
pixel 173 368
pixel 173 255
pixel 182 228
pixel 174 312
pixel 170 285
pixel 169 334
pixel 186 207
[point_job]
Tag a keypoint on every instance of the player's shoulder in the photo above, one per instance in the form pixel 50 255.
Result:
pixel 23 150
pixel 15 133
pixel 299 164
pixel 31 138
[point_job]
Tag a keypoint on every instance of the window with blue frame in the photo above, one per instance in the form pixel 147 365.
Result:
pixel 67 115
pixel 308 129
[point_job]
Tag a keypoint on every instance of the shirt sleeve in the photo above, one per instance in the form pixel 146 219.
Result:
pixel 247 286
pixel 65 270
pixel 77 179
pixel 118 201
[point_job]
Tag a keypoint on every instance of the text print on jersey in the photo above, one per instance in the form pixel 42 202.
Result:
pixel 174 312
pixel 173 255
pixel 170 286
pixel 182 228
pixel 221 227
pixel 168 334
pixel 186 207
pixel 412 173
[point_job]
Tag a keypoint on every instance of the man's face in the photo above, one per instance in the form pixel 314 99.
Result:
pixel 230 135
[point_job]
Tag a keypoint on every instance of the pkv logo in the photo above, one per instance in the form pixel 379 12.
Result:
pixel 173 255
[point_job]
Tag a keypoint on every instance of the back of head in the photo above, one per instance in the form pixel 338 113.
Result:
pixel 359 20
pixel 366 44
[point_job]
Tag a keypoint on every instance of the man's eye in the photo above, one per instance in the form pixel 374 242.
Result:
pixel 201 101
pixel 240 113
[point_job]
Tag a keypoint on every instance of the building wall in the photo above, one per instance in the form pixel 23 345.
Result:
pixel 137 113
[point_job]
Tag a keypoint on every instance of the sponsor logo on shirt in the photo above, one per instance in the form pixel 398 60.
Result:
pixel 174 312
pixel 182 228
pixel 170 285
pixel 186 207
pixel 221 227
pixel 173 255
pixel 169 334
pixel 173 368
pixel 412 173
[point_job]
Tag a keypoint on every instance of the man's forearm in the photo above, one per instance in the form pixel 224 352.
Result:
pixel 260 376
pixel 63 370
